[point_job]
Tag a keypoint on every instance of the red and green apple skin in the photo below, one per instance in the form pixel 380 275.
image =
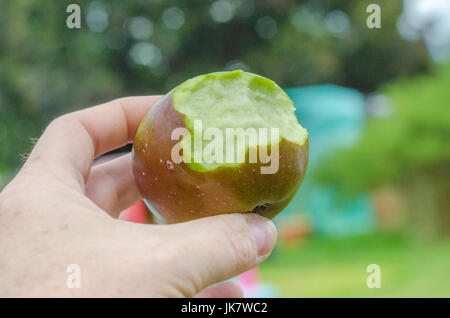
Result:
pixel 178 193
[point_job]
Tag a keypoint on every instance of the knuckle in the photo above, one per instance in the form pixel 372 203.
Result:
pixel 119 101
pixel 61 124
pixel 61 120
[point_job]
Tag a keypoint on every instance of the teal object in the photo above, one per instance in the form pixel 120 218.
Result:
pixel 334 117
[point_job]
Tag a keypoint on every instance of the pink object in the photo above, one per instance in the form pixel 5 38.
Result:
pixel 253 287
pixel 249 280
pixel 136 213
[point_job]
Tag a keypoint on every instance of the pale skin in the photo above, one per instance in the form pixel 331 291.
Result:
pixel 59 210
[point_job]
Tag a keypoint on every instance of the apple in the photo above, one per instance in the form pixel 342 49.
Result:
pixel 220 143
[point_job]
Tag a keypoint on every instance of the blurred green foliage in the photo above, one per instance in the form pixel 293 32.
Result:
pixel 47 69
pixel 413 140
pixel 324 267
pixel 408 149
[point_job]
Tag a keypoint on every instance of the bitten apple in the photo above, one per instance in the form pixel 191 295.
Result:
pixel 220 143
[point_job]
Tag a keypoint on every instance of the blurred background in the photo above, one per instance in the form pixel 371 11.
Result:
pixel 375 101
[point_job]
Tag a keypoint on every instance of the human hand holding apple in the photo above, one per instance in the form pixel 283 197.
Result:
pixel 60 210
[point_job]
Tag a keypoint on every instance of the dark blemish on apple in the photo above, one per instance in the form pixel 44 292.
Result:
pixel 259 208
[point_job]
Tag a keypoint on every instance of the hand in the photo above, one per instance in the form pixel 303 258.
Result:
pixel 59 210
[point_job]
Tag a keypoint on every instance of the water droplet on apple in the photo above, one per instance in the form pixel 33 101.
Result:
pixel 156 179
pixel 197 187
pixel 143 174
pixel 169 165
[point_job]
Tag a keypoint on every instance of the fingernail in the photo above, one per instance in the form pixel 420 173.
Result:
pixel 264 232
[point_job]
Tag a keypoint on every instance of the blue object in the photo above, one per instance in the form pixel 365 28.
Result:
pixel 334 117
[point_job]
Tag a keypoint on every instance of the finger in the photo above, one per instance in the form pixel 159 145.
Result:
pixel 71 142
pixel 217 248
pixel 224 290
pixel 111 185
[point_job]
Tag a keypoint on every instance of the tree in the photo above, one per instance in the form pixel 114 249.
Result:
pixel 145 47
pixel 409 149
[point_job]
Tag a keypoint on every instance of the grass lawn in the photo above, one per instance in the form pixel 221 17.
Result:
pixel 323 267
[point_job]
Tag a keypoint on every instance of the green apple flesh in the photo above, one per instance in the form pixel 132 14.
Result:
pixel 193 188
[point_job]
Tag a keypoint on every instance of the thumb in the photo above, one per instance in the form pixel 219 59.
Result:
pixel 217 248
